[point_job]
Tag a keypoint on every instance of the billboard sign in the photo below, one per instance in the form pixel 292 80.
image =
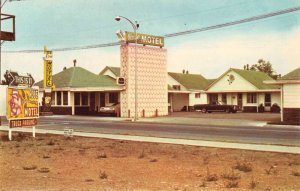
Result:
pixel 22 103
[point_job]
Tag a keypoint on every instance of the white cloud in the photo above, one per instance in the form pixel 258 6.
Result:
pixel 212 57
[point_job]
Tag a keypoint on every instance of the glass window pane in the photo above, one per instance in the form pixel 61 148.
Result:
pixel 58 95
pixel 65 98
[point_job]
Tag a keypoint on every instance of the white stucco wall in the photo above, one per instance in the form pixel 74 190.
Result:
pixel 238 85
pixel 152 91
pixel 291 95
pixel 201 100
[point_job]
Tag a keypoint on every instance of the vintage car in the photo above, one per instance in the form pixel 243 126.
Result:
pixel 111 109
pixel 216 106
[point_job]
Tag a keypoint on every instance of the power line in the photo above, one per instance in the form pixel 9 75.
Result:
pixel 246 20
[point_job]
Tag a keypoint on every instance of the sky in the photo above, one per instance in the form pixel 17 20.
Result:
pixel 69 23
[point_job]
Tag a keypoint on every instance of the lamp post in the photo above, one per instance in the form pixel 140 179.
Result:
pixel 135 26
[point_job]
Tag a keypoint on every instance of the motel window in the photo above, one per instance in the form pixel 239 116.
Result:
pixel 176 87
pixel 251 98
pixel 84 98
pixel 113 97
pixel 77 98
pixel 224 98
pixel 65 98
pixel 53 98
pixel 197 95
pixel 58 96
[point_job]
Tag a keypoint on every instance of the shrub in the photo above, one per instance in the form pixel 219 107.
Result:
pixel 142 155
pixel 232 184
pixel 32 167
pixel 44 170
pixel 244 167
pixel 275 108
pixel 261 108
pixel 294 173
pixel 103 175
pixel 210 177
pixel 102 155
pixel 51 143
pixel 253 184
pixel 231 176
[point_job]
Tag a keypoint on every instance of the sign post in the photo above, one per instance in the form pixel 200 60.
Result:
pixel 48 83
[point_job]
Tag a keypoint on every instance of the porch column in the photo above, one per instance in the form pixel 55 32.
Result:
pixel 257 102
pixel 72 101
pixel 171 101
pixel 188 102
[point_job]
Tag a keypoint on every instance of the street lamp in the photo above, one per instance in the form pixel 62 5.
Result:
pixel 135 26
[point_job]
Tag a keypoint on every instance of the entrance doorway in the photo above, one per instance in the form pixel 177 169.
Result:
pixel 213 98
pixel 240 100
pixel 268 102
pixel 92 102
pixel 102 99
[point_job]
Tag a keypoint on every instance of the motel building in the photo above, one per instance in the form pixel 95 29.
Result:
pixel 246 89
pixel 149 89
pixel 290 91
pixel 80 92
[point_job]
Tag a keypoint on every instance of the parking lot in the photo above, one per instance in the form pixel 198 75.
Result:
pixel 272 117
pixel 217 118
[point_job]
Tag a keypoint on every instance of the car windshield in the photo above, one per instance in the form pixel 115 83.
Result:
pixel 221 103
pixel 114 104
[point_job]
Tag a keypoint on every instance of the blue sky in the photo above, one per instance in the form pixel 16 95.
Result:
pixel 68 23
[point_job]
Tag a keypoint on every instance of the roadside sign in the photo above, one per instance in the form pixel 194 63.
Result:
pixel 48 68
pixel 68 132
pixel 14 79
pixel 22 103
pixel 22 123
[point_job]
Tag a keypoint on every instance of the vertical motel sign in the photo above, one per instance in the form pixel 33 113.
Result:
pixel 48 83
pixel 47 69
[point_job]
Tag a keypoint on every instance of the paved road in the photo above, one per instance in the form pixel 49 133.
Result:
pixel 258 135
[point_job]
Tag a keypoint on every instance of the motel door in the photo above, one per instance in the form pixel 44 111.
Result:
pixel 102 99
pixel 92 102
pixel 267 101
pixel 240 100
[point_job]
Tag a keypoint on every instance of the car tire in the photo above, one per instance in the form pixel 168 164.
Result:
pixel 204 110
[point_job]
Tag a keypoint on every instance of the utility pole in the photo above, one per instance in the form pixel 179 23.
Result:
pixel 5 36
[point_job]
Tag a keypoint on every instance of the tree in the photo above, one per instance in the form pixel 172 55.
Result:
pixel 262 66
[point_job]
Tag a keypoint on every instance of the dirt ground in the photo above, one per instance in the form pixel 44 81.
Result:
pixel 53 162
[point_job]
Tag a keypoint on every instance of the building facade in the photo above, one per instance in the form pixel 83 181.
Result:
pixel 246 89
pixel 290 94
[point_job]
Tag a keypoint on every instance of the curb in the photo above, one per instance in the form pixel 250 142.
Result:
pixel 253 147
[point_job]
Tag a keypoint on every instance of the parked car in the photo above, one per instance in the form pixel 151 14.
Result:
pixel 216 106
pixel 111 109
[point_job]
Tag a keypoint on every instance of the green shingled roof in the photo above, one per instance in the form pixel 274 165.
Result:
pixel 115 70
pixel 293 75
pixel 79 77
pixel 256 78
pixel 191 81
